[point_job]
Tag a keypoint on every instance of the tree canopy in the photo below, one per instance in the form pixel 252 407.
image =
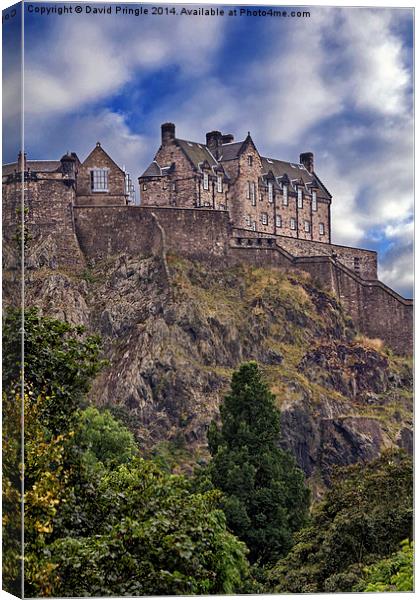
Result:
pixel 265 497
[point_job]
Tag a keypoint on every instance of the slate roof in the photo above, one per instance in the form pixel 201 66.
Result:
pixel 197 153
pixel 153 170
pixel 40 166
pixel 230 151
pixel 294 171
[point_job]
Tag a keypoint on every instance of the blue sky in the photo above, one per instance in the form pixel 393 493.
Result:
pixel 338 84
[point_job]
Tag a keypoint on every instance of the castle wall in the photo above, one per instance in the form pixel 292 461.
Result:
pixel 104 231
pixel 50 233
pixel 366 260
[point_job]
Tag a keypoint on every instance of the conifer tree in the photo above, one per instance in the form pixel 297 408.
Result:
pixel 265 497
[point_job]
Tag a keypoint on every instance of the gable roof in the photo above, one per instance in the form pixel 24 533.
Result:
pixel 99 148
pixel 230 151
pixel 295 172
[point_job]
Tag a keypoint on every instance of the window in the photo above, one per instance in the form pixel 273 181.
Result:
pixel 205 181
pixel 292 223
pixel 251 192
pixel 278 220
pixel 321 229
pixel 99 180
pixel 248 220
pixel 264 219
pixel 144 187
pixel 270 191
pixel 250 160
pixel 314 201
pixel 254 226
pixel 173 186
pixel 300 198
pixel 219 184
pixel 285 197
pixel 357 264
pixel 165 184
pixel 307 227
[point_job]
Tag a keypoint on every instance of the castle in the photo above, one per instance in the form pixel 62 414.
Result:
pixel 219 201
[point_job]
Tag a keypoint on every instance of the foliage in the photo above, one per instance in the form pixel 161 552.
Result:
pixel 103 439
pixel 363 517
pixel 393 574
pixel 11 484
pixel 152 537
pixel 265 498
pixel 60 361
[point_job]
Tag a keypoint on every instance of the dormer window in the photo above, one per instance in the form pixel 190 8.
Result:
pixel 300 198
pixel 250 160
pixel 99 180
pixel 219 184
pixel 285 196
pixel 314 201
pixel 205 181
pixel 270 191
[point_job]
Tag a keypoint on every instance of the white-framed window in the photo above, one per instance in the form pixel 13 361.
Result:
pixel 264 219
pixel 144 187
pixel 300 198
pixel 250 160
pixel 278 220
pixel 254 226
pixel 99 180
pixel 307 227
pixel 248 220
pixel 173 186
pixel 205 181
pixel 285 196
pixel 321 229
pixel 292 223
pixel 270 191
pixel 219 184
pixel 314 201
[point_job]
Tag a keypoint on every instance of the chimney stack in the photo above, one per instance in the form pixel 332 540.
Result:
pixel 213 141
pixel 307 160
pixel 22 162
pixel 168 133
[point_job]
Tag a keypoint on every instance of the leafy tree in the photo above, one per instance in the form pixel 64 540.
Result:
pixel 362 518
pixel 265 498
pixel 152 537
pixel 103 439
pixel 59 362
pixel 393 574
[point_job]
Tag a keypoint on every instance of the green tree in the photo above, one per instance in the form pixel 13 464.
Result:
pixel 152 537
pixel 393 574
pixel 362 518
pixel 103 439
pixel 59 362
pixel 265 497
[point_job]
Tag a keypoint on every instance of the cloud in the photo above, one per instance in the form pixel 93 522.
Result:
pixel 85 60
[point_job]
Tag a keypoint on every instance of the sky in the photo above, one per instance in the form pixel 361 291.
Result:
pixel 338 83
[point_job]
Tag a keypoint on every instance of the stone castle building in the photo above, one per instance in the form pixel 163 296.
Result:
pixel 219 201
pixel 261 194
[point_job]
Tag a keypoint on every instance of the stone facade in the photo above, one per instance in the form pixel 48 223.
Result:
pixel 262 194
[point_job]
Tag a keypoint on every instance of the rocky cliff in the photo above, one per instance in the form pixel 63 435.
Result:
pixel 174 330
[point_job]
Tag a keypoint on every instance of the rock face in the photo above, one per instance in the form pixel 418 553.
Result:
pixel 174 331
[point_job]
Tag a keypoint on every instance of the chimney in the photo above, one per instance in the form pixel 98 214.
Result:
pixel 68 165
pixel 22 162
pixel 307 160
pixel 168 133
pixel 227 138
pixel 213 141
